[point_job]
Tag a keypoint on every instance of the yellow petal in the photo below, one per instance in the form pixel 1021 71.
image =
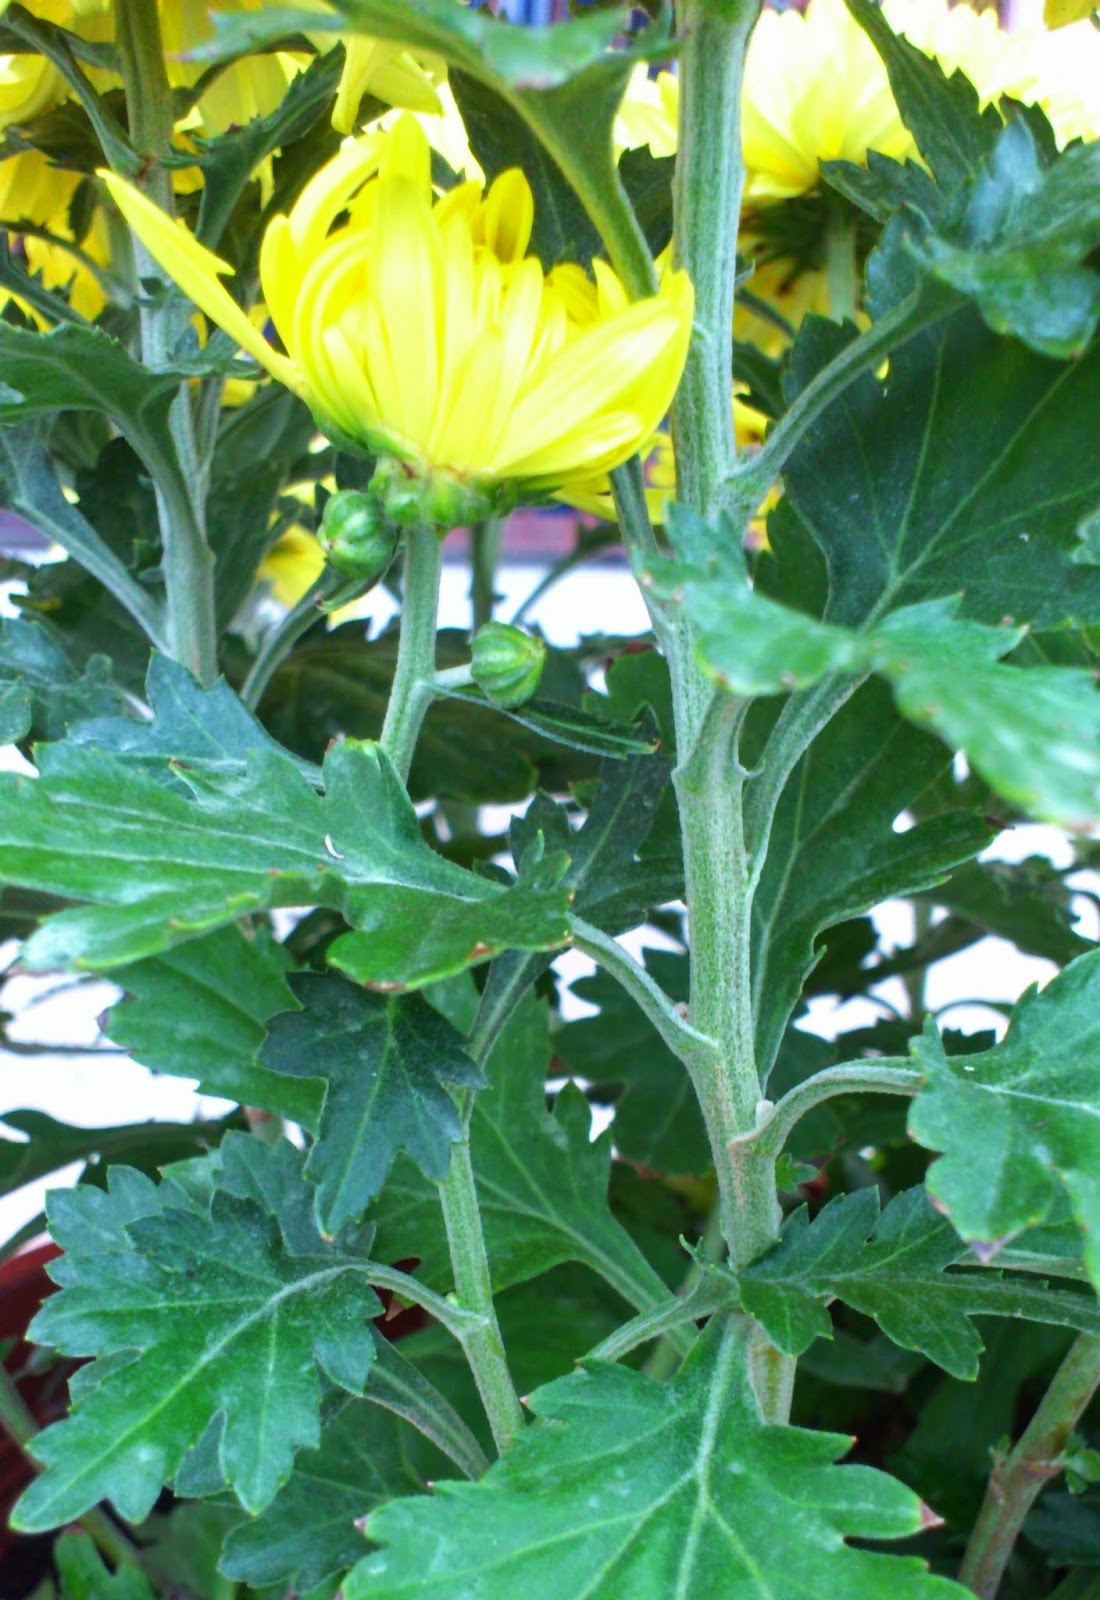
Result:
pixel 196 270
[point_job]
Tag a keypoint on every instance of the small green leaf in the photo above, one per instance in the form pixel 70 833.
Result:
pixel 1018 1124
pixel 199 1011
pixel 571 726
pixel 384 1062
pixel 894 1268
pixel 40 687
pixel 226 1308
pixel 84 1577
pixel 631 1486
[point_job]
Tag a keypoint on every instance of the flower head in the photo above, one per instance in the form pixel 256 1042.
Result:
pixel 421 329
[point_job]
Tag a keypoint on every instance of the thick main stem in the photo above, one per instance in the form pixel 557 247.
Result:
pixel 411 694
pixel 188 561
pixel 1015 1483
pixel 709 780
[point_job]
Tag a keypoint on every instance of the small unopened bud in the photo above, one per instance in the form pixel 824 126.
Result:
pixel 507 664
pixel 357 537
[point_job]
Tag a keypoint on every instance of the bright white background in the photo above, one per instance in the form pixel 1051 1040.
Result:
pixel 100 1090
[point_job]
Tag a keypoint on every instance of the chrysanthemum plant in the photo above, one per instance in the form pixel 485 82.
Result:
pixel 399 1326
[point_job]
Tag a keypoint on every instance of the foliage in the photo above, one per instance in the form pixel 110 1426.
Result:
pixel 498 1276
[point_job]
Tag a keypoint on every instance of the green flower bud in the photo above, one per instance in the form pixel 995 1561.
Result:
pixel 507 664
pixel 357 537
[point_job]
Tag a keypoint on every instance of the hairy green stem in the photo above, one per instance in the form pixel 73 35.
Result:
pixel 485 542
pixel 706 200
pixel 841 264
pixel 1015 1482
pixel 890 1076
pixel 484 1346
pixel 18 1423
pixel 458 1322
pixel 413 681
pixel 327 591
pixel 188 561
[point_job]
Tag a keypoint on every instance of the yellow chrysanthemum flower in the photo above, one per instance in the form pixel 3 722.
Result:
pixel 422 330
pixel 816 89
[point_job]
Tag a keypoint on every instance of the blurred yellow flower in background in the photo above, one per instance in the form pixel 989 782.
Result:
pixel 424 331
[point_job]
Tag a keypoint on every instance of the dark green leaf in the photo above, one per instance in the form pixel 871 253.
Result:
pixel 1022 247
pixel 1027 902
pixel 542 1182
pixel 569 725
pixel 49 1145
pixel 630 1486
pixel 940 112
pixel 1018 1124
pixel 658 1123
pixel 833 852
pixel 894 1268
pixel 967 470
pixel 224 1309
pixel 199 1011
pixel 384 1062
pixel 309 1531
pixel 168 867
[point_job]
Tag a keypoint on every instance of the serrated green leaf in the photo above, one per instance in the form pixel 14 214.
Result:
pixel 938 480
pixel 941 113
pixel 199 1011
pixel 210 729
pixel 542 1182
pixel 1021 249
pixel 309 1531
pixel 37 676
pixel 168 867
pixel 630 1486
pixel 84 1576
pixel 195 1313
pixel 1017 1124
pixel 1032 733
pixel 894 1268
pixel 384 1062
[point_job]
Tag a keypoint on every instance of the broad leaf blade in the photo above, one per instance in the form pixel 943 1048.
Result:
pixel 630 1486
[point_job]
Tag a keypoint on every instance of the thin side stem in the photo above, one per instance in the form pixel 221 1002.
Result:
pixel 682 1039
pixel 698 1280
pixel 1015 1482
pixel 485 542
pixel 841 264
pixel 890 1076
pixel 18 1423
pixel 413 680
pixel 747 486
pixel 458 1322
pixel 325 592
pixel 484 1346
